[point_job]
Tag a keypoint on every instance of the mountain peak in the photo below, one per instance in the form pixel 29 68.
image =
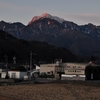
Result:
pixel 46 15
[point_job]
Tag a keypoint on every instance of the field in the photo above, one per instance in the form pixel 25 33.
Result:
pixel 51 91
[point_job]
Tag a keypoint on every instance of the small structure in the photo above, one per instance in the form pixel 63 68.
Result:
pixel 17 73
pixel 3 70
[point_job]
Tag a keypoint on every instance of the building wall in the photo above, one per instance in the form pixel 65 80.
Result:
pixel 47 68
pixel 75 68
pixel 60 68
pixel 74 71
pixel 14 74
pixel 68 68
pixel 73 77
pixel 17 74
pixel 55 67
pixel 22 74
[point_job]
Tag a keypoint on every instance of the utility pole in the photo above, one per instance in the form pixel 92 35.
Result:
pixel 6 62
pixel 30 64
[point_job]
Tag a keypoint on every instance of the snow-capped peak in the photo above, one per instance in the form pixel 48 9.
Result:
pixel 46 15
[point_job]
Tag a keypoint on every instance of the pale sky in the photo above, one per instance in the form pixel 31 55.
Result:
pixel 78 11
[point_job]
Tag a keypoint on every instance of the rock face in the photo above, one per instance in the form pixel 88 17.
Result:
pixel 81 40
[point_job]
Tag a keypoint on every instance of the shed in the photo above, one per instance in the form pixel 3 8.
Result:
pixel 17 73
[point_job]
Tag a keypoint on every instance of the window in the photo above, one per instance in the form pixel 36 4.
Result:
pixel 74 66
pixel 68 66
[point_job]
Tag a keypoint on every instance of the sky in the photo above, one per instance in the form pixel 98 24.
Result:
pixel 78 11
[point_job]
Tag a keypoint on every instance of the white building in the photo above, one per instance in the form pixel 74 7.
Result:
pixel 69 71
pixel 74 71
pixel 53 68
pixel 17 74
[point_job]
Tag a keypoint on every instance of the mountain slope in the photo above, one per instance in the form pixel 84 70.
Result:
pixel 55 33
pixel 21 49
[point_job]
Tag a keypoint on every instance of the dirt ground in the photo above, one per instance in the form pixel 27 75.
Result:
pixel 50 91
pixel 3 98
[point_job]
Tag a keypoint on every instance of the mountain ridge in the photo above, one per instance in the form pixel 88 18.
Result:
pixel 80 39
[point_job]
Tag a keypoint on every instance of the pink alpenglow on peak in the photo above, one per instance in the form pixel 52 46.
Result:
pixel 46 15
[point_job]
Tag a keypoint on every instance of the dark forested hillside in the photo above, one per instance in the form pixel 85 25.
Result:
pixel 11 46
